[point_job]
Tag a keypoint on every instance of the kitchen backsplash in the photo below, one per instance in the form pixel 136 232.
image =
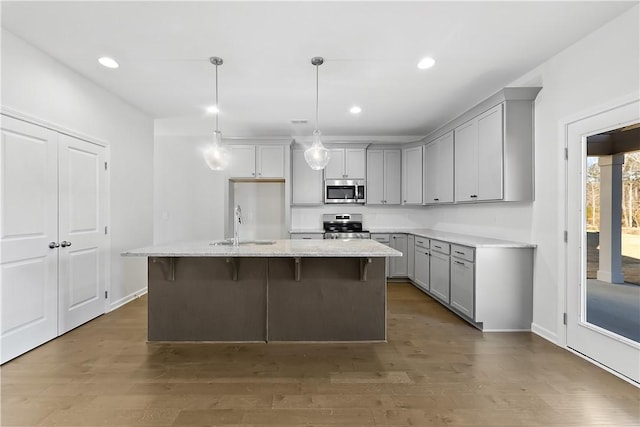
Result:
pixel 309 218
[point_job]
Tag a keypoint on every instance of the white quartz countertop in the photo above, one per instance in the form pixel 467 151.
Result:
pixel 457 238
pixel 280 248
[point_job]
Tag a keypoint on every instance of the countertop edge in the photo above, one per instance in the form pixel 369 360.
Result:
pixel 458 239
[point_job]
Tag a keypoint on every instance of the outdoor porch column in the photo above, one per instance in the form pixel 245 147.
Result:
pixel 610 265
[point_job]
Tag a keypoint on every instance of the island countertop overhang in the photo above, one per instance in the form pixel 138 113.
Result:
pixel 279 249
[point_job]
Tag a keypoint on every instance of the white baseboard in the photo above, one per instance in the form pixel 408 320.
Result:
pixel 122 301
pixel 544 333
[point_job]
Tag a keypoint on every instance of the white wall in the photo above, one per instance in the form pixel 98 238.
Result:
pixel 189 197
pixel 41 87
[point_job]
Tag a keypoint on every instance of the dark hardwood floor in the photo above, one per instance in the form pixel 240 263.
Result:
pixel 435 371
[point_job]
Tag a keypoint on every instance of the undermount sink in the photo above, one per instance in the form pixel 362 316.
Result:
pixel 243 243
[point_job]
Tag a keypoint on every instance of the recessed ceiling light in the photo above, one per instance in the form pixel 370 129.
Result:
pixel 426 63
pixel 213 109
pixel 108 62
pixel 355 110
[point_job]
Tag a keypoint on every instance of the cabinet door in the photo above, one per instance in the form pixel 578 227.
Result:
pixel 335 167
pixel 462 287
pixel 270 161
pixel 412 176
pixel 431 173
pixel 422 268
pixel 28 266
pixel 355 163
pixel 445 169
pixel 243 161
pixel 411 251
pixel 490 154
pixel 439 278
pixel 375 177
pixel 466 162
pixel 398 265
pixel 306 183
pixel 392 177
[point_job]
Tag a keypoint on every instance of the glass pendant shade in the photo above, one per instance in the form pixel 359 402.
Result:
pixel 317 156
pixel 217 156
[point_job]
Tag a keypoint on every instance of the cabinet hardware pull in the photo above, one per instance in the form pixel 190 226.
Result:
pixel 438 247
pixel 64 243
pixel 54 245
pixel 458 252
pixel 436 199
pixel 458 262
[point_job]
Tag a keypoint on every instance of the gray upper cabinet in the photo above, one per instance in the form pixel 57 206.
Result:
pixel 494 149
pixel 478 160
pixel 257 161
pixel 412 176
pixel 346 163
pixel 438 173
pixel 383 177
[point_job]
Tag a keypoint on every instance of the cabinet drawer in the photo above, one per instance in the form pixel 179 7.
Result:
pixel 438 246
pixel 463 252
pixel 422 242
pixel 306 236
pixel 382 238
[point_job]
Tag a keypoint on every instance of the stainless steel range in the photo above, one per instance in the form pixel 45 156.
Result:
pixel 344 226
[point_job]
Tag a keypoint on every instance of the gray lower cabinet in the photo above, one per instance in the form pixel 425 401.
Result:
pixel 439 276
pixel 489 286
pixel 463 280
pixel 421 256
pixel 462 286
pixel 411 250
pixel 398 265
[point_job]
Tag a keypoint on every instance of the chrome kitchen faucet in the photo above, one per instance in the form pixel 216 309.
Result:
pixel 237 220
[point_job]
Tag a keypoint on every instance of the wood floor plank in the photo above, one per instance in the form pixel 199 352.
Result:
pixel 435 370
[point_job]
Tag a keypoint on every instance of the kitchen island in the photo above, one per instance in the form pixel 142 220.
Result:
pixel 282 290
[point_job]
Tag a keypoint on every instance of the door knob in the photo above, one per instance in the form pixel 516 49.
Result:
pixel 64 243
pixel 53 245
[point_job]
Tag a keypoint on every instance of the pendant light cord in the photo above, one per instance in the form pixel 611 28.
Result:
pixel 217 107
pixel 317 97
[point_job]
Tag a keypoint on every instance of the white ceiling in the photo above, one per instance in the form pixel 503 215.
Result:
pixel 370 50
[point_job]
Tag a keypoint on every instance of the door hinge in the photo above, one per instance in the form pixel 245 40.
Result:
pixel 106 229
pixel 566 236
pixel 566 154
pixel 564 318
pixel 105 166
pixel 106 294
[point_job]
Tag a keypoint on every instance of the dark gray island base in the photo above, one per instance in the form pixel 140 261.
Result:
pixel 262 299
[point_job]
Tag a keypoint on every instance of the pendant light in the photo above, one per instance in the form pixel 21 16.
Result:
pixel 217 155
pixel 317 156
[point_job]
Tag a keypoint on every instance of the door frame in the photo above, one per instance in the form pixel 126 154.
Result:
pixel 571 222
pixel 19 115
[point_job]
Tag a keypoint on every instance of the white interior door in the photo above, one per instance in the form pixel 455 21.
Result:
pixel 612 350
pixel 83 241
pixel 29 223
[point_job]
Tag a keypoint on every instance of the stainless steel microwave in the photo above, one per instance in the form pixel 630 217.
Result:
pixel 344 191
